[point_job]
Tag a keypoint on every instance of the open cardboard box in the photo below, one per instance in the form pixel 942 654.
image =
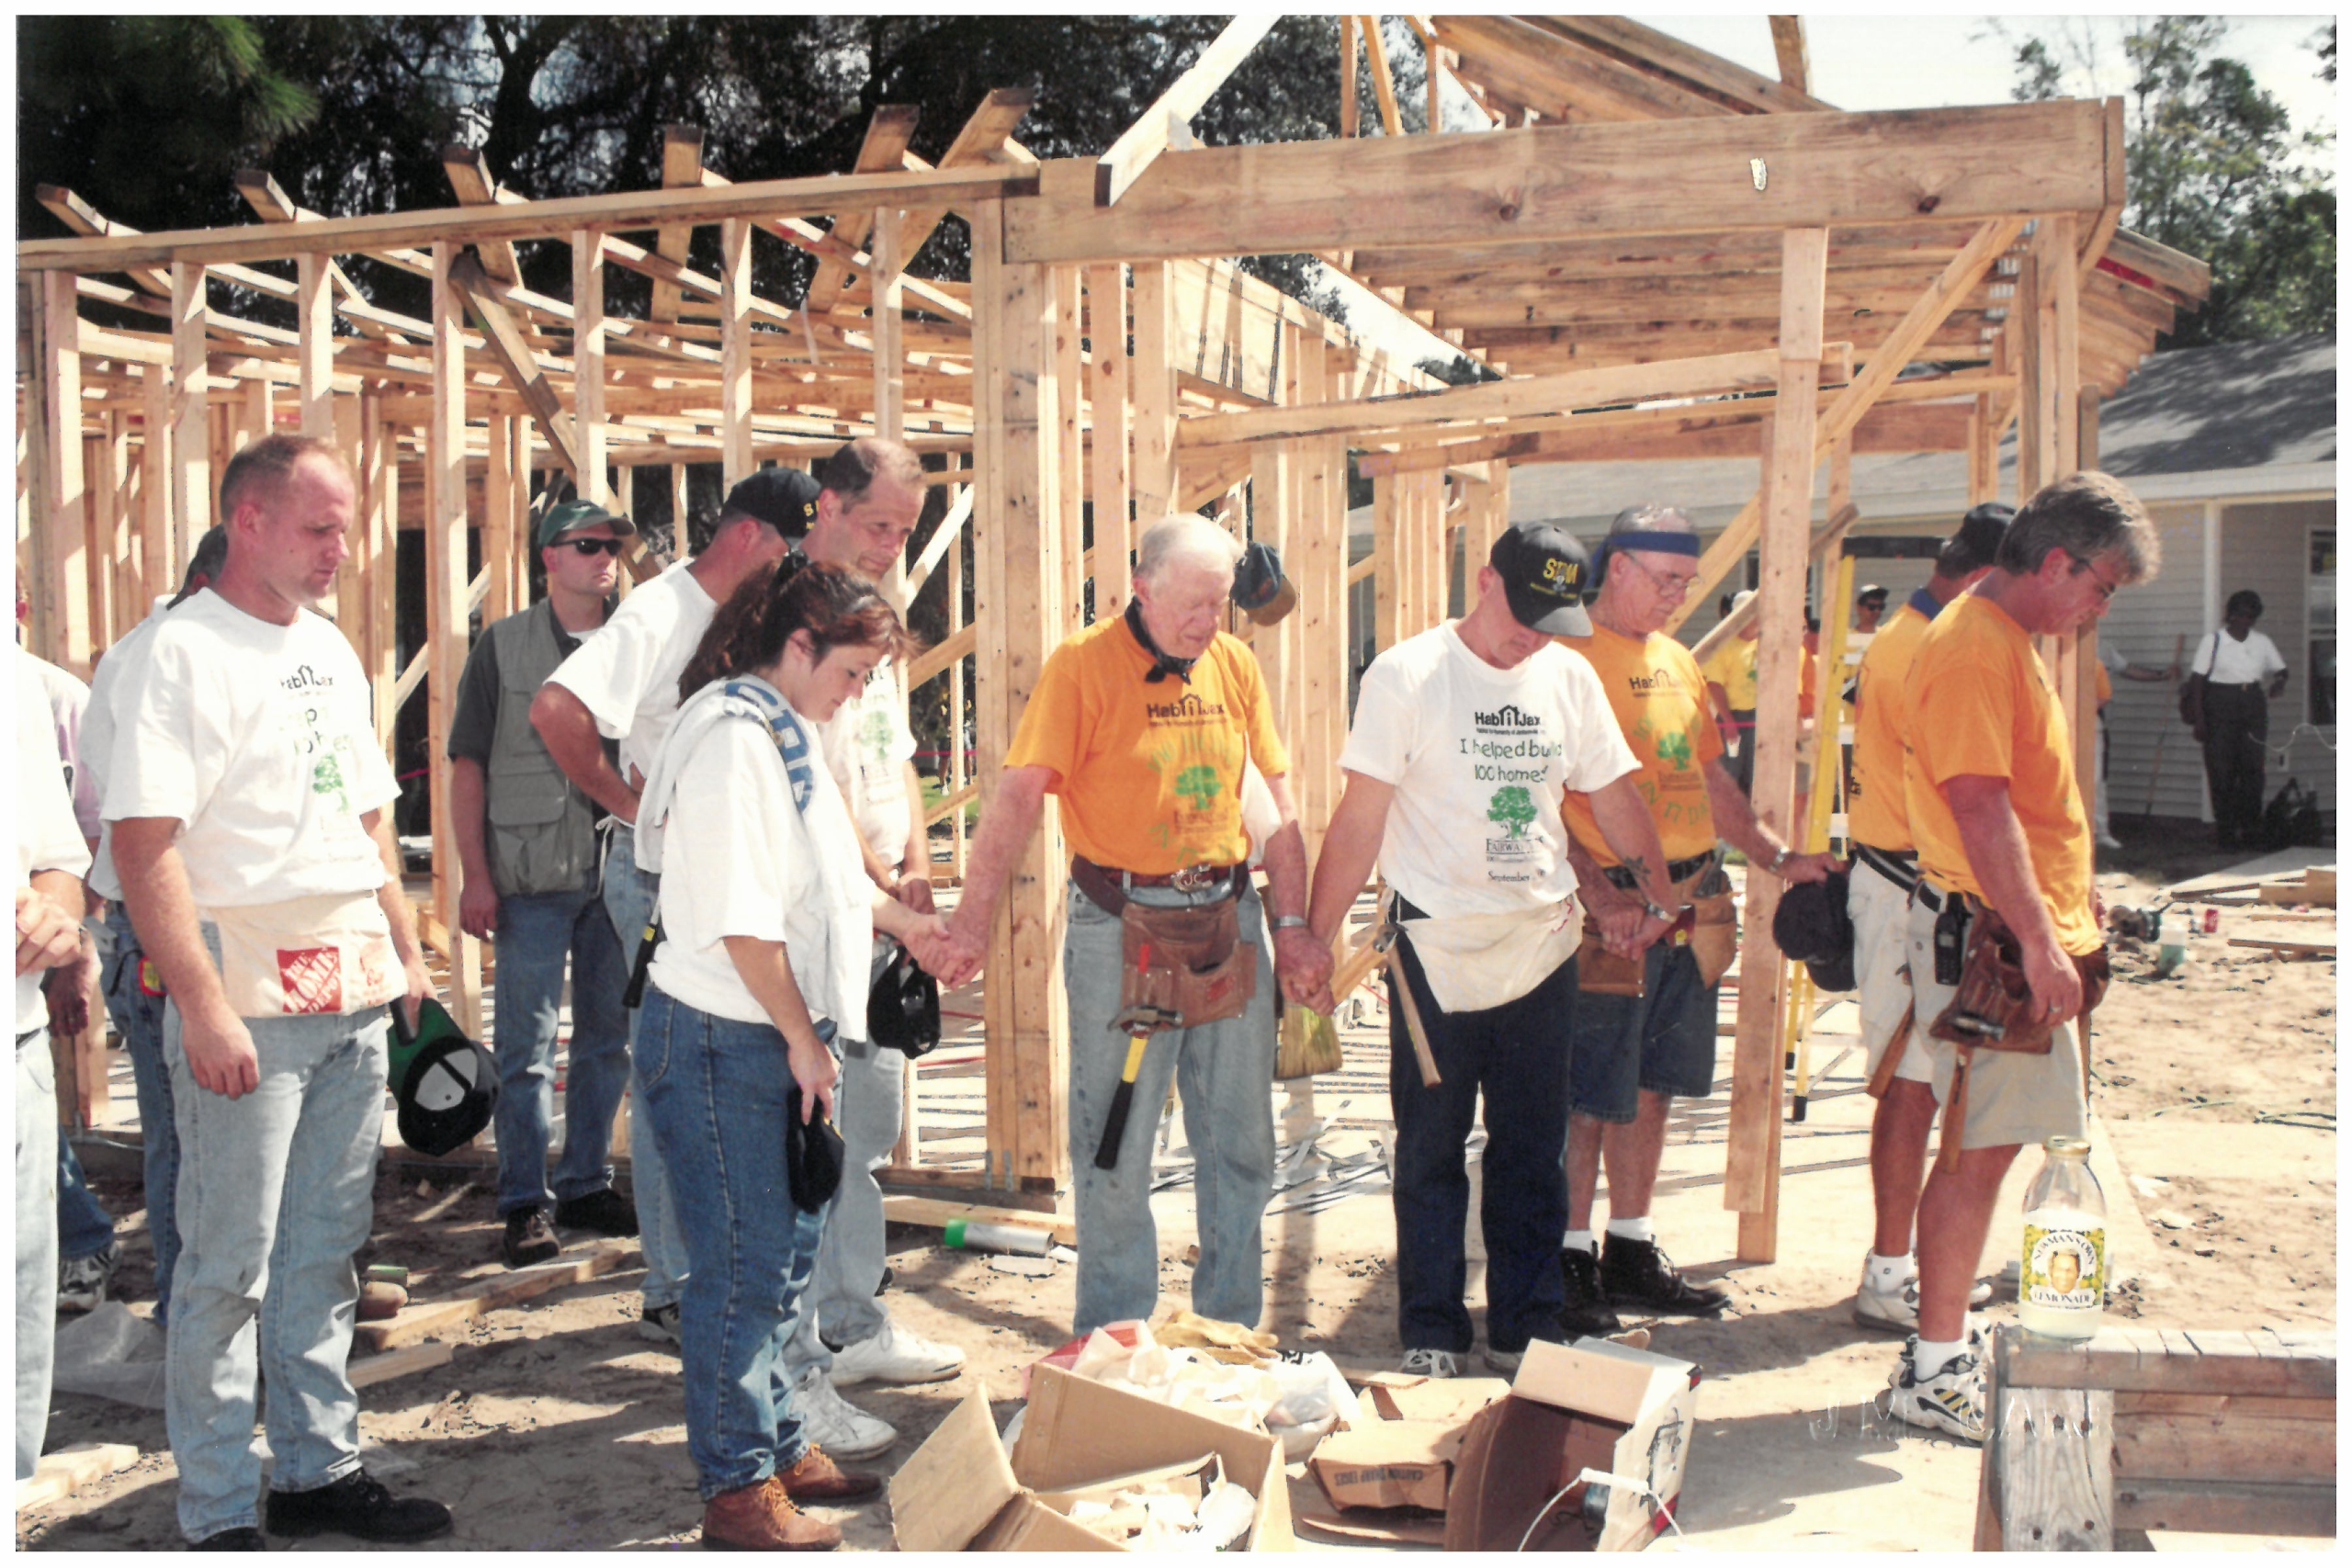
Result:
pixel 1590 1405
pixel 959 1493
pixel 1387 1477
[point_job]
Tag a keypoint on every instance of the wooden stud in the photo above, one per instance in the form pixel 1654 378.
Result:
pixel 100 551
pixel 1154 384
pixel 885 147
pixel 1068 448
pixel 887 284
pixel 498 520
pixel 445 577
pixel 1350 74
pixel 1106 333
pixel 588 368
pixel 378 491
pixel 313 307
pixel 735 342
pixel 1789 51
pixel 352 608
pixel 1384 85
pixel 162 563
pixel 681 169
pixel 65 577
pixel 958 759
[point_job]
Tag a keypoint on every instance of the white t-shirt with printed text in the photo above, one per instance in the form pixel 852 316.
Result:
pixel 48 839
pixel 1479 758
pixel 626 676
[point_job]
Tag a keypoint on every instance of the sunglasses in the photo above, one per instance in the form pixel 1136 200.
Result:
pixel 593 546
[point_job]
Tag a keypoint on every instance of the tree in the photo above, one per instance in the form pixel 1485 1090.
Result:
pixel 2216 171
pixel 1513 809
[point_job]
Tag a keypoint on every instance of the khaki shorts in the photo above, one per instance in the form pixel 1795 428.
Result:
pixel 1881 912
pixel 2013 1098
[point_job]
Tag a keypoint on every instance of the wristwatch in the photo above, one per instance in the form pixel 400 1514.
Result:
pixel 1660 913
pixel 1290 922
pixel 1780 860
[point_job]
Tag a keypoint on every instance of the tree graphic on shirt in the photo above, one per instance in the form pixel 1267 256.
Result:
pixel 326 777
pixel 1675 749
pixel 1514 809
pixel 1199 784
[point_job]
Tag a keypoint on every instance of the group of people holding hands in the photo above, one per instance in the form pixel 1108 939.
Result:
pixel 709 782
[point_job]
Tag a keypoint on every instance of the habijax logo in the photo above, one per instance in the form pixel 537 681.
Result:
pixel 1507 717
pixel 1186 709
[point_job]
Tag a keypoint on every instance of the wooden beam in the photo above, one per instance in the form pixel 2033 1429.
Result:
pixel 80 217
pixel 445 620
pixel 272 205
pixel 1350 76
pixel 986 139
pixel 161 565
pixel 891 126
pixel 1563 77
pixel 1154 391
pixel 1751 1170
pixel 1788 49
pixel 887 285
pixel 1544 183
pixel 529 219
pixel 191 412
pixel 468 174
pixel 588 375
pixel 317 326
pixel 1384 85
pixel 735 344
pixel 1648 49
pixel 65 578
pixel 681 169
pixel 1106 331
pixel 1171 112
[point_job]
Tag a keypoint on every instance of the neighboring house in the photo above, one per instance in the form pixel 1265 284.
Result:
pixel 2232 447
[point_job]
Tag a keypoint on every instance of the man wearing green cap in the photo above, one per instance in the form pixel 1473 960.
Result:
pixel 527 841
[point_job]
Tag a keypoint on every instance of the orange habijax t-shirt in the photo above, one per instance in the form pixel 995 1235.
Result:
pixel 1659 699
pixel 1981 704
pixel 1877 817
pixel 1149 774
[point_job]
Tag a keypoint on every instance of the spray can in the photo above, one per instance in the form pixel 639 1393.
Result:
pixel 2062 1290
pixel 970 1237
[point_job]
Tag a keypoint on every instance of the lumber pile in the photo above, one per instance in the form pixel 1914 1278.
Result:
pixel 67 1471
pixel 419 1321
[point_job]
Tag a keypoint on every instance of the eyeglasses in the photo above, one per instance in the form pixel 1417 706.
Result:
pixel 2107 591
pixel 593 546
pixel 1674 584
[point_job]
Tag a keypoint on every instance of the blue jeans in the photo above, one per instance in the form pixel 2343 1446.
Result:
pixel 84 1229
pixel 628 899
pixel 1663 1041
pixel 139 1018
pixel 1517 1054
pixel 535 932
pixel 1225 1073
pixel 716 1092
pixel 277 1193
pixel 36 1244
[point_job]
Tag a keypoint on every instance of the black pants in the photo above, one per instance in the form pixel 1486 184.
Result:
pixel 1517 1056
pixel 2237 723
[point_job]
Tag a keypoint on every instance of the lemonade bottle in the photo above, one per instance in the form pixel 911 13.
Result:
pixel 2062 1288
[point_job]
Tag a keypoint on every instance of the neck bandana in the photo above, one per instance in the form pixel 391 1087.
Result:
pixel 1162 666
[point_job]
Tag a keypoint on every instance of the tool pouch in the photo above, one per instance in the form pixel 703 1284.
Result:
pixel 1600 972
pixel 1184 967
pixel 1715 922
pixel 1993 1008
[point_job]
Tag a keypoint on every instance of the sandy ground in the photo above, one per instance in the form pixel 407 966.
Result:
pixel 555 1426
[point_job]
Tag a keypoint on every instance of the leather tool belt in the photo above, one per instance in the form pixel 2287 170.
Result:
pixel 1709 926
pixel 1181 967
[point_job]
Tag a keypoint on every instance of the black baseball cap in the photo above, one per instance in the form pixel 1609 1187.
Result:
pixel 1545 572
pixel 784 499
pixel 1978 541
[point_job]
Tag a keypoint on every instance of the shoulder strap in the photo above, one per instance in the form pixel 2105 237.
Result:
pixel 791 740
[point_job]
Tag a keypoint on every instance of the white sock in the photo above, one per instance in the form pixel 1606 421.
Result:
pixel 1577 1241
pixel 1887 1274
pixel 1638 1228
pixel 1927 1357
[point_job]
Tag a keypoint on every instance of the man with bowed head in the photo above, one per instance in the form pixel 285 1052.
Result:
pixel 1142 725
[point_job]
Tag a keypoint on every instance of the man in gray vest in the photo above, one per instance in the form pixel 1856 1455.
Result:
pixel 527 841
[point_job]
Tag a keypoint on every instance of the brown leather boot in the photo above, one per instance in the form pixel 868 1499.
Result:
pixel 762 1518
pixel 817 1479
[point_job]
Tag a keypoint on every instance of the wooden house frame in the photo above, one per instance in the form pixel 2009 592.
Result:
pixel 1659 247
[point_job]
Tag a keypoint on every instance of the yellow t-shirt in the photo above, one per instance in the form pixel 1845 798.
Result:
pixel 1149 775
pixel 1659 699
pixel 1877 814
pixel 1981 703
pixel 1733 667
pixel 2106 686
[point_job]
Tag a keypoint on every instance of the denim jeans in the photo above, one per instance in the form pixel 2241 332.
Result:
pixel 535 932
pixel 1663 1041
pixel 277 1193
pixel 870 1100
pixel 139 1018
pixel 717 1093
pixel 35 1243
pixel 84 1229
pixel 1517 1055
pixel 628 899
pixel 1225 1073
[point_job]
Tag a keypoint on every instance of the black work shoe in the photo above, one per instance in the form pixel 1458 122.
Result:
pixel 1639 1273
pixel 244 1538
pixel 1586 1311
pixel 357 1506
pixel 604 1211
pixel 529 1238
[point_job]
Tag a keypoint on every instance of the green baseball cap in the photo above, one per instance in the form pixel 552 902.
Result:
pixel 574 515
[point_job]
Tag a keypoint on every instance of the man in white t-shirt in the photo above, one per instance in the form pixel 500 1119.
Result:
pixel 51 859
pixel 873 493
pixel 249 803
pixel 622 685
pixel 1465 740
pixel 2236 671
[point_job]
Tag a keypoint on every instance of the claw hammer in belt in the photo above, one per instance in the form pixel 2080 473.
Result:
pixel 1385 945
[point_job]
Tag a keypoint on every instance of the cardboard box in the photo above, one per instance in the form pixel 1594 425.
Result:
pixel 959 1493
pixel 1389 1464
pixel 1590 1406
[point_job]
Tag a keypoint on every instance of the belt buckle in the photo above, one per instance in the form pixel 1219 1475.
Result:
pixel 1194 878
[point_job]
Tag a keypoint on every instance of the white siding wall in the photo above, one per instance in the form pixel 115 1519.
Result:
pixel 2142 624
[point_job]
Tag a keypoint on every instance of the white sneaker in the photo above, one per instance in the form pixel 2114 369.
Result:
pixel 1431 1363
pixel 826 1418
pixel 1951 1401
pixel 895 1355
pixel 1899 1309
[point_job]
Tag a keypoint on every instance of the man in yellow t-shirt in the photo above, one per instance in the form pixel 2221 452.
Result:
pixel 1633 1054
pixel 1878 895
pixel 1731 692
pixel 1141 727
pixel 1995 807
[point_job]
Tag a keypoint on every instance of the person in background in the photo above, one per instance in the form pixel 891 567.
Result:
pixel 2236 671
pixel 767 923
pixel 528 845
pixel 1870 608
pixel 1731 692
pixel 51 856
pixel 2113 667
